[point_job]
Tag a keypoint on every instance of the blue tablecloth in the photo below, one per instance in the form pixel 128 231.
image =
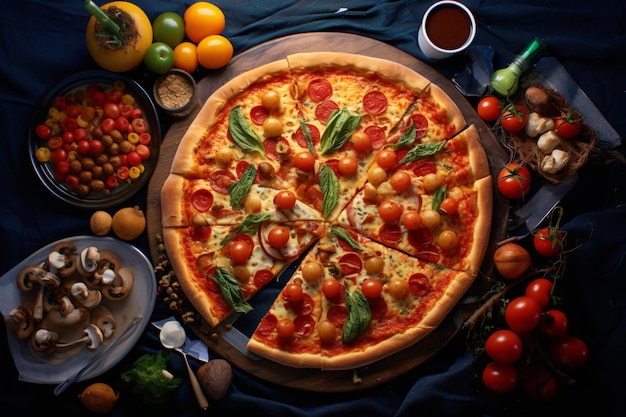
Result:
pixel 42 42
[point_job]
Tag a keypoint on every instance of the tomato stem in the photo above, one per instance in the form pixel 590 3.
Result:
pixel 100 15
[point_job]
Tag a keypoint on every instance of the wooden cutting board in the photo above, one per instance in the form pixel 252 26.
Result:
pixel 385 369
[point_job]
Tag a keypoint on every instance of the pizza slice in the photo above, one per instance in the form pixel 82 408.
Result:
pixel 202 202
pixel 450 227
pixel 221 267
pixel 288 333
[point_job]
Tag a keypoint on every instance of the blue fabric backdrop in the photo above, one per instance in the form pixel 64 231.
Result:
pixel 42 42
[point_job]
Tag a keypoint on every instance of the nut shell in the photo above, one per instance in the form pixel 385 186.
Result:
pixel 215 377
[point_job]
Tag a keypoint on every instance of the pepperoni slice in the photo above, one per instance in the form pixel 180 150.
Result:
pixel 319 89
pixel 423 166
pixel 267 325
pixel 375 103
pixel 390 234
pixel 419 284
pixel 324 110
pixel 304 325
pixel 334 165
pixel 350 263
pixel 421 125
pixel 423 242
pixel 276 147
pixel 303 306
pixel 221 180
pixel 378 307
pixel 301 139
pixel 262 277
pixel 258 114
pixel 202 199
pixel 377 136
pixel 241 168
pixel 200 234
pixel 337 315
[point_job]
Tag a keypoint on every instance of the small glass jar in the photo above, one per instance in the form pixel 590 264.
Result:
pixel 175 93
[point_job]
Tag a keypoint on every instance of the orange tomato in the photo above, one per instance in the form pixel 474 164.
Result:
pixel 203 19
pixel 214 51
pixel 186 56
pixel 121 59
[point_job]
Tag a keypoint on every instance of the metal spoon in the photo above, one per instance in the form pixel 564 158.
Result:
pixel 172 337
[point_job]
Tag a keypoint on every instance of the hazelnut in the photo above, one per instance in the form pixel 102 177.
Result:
pixel 215 377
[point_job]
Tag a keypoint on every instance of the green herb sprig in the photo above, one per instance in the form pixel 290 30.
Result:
pixel 339 129
pixel 230 289
pixel 329 184
pixel 359 315
pixel 242 133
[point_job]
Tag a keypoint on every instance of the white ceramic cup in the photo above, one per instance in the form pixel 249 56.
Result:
pixel 448 27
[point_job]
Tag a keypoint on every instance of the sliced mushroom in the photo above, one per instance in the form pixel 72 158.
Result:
pixel 35 276
pixel 92 336
pixel 121 285
pixel 85 296
pixel 44 340
pixel 88 261
pixel 102 317
pixel 63 259
pixel 107 265
pixel 21 322
pixel 66 314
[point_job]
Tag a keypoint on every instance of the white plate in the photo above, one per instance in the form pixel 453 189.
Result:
pixel 140 301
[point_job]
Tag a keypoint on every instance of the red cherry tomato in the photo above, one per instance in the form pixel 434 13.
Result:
pixel 285 200
pixel 569 125
pixel 522 314
pixel 514 119
pixel 412 220
pixel 540 383
pixel 331 287
pixel 83 146
pixel 449 205
pixel 43 132
pixel 285 328
pixel 96 147
pixel 348 165
pixel 292 292
pixel 400 180
pixel 143 151
pixel 514 180
pixel 548 241
pixel 568 352
pixel 500 377
pixel 554 324
pixel 504 346
pixel 389 211
pixel 361 142
pixel 304 160
pixel 489 108
pixel 278 236
pixel 386 158
pixel 371 288
pixel 541 290
pixel 240 251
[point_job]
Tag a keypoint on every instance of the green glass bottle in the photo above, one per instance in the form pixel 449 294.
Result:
pixel 504 81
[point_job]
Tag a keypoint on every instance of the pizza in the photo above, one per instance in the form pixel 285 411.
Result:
pixel 354 182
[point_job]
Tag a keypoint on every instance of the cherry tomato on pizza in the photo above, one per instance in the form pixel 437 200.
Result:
pixel 514 180
pixel 278 236
pixel 293 292
pixel 285 199
pixel 514 118
pixel 569 125
pixel 285 328
pixel 489 108
pixel 240 251
pixel 371 288
pixel 389 211
pixel 548 241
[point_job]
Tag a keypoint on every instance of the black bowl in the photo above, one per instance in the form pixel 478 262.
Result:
pixel 45 170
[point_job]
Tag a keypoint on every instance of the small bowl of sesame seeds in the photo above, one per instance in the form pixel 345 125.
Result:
pixel 175 92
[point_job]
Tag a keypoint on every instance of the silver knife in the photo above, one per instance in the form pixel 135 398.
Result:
pixel 69 381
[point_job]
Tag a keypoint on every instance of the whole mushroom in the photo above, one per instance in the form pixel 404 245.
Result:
pixel 63 259
pixel 44 340
pixel 84 295
pixel 67 314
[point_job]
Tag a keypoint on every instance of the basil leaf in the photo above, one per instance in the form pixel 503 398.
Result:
pixel 329 185
pixel 230 289
pixel 339 128
pixel 422 150
pixel 249 225
pixel 239 189
pixel 343 234
pixel 359 316
pixel 242 133
pixel 307 135
pixel 438 197
pixel 408 136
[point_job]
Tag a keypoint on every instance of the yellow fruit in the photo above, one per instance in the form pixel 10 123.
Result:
pixel 128 223
pixel 100 223
pixel 99 398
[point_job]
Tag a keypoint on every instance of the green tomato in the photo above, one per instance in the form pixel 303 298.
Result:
pixel 169 27
pixel 159 58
